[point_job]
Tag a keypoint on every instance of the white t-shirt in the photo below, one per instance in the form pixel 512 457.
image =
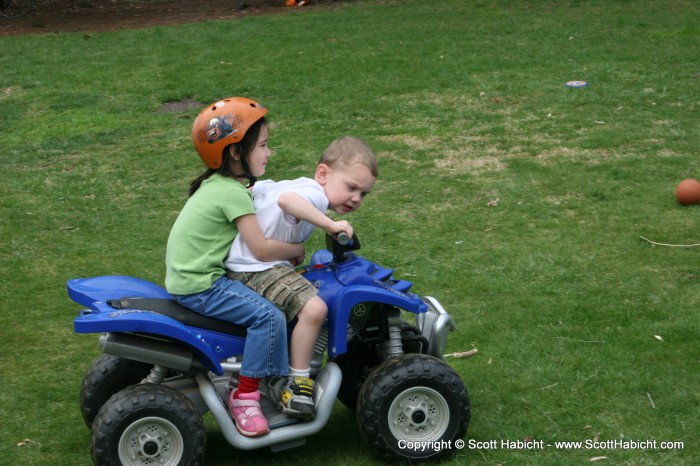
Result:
pixel 274 222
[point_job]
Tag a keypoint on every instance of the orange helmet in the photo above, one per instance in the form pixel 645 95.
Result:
pixel 222 124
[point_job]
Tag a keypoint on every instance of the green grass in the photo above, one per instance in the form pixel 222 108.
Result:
pixel 465 104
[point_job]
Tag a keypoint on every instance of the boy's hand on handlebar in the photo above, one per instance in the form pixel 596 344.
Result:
pixel 341 226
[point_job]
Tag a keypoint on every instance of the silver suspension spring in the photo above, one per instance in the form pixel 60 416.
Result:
pixel 392 346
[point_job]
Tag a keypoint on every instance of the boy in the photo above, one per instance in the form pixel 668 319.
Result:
pixel 288 211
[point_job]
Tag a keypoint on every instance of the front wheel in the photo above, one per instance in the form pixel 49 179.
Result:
pixel 148 425
pixel 414 407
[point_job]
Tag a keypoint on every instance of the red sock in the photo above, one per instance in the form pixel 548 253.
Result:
pixel 246 385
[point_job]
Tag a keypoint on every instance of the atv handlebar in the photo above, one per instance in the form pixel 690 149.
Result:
pixel 340 244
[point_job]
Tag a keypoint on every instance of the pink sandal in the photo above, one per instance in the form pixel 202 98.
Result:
pixel 249 418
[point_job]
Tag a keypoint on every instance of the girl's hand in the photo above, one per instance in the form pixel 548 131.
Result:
pixel 297 260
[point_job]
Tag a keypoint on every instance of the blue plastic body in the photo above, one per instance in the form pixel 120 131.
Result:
pixel 344 285
pixel 341 285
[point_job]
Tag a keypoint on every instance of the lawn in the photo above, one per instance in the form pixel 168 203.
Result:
pixel 522 204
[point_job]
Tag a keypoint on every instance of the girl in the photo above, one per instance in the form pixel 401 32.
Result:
pixel 231 138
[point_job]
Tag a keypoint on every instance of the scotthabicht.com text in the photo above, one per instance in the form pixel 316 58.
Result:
pixel 575 445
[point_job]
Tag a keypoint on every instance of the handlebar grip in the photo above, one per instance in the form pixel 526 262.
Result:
pixel 343 239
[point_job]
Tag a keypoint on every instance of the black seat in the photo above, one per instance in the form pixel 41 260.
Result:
pixel 177 311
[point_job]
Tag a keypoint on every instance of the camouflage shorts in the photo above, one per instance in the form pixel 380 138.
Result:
pixel 281 285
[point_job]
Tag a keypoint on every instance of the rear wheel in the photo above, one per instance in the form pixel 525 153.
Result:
pixel 414 407
pixel 108 375
pixel 148 425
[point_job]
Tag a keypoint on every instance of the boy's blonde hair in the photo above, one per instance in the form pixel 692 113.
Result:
pixel 347 151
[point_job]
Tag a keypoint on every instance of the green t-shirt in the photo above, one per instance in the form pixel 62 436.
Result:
pixel 203 233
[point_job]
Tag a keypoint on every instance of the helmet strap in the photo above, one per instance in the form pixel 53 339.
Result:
pixel 246 172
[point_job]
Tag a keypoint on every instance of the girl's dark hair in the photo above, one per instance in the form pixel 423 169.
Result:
pixel 244 147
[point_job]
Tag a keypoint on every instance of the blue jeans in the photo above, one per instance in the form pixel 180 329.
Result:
pixel 265 352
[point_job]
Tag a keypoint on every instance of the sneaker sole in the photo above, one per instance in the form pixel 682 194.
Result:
pixel 304 416
pixel 251 434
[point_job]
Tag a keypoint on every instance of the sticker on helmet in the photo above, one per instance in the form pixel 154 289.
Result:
pixel 221 127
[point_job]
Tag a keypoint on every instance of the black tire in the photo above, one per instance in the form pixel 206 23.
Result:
pixel 148 424
pixel 108 375
pixel 410 399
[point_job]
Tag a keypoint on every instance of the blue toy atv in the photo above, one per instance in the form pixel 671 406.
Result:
pixel 165 366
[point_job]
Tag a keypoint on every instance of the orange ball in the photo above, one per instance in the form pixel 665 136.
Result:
pixel 688 192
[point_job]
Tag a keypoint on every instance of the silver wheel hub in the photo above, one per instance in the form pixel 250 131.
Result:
pixel 419 413
pixel 151 441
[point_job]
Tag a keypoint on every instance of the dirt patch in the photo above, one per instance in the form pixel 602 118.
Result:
pixel 53 16
pixel 178 106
